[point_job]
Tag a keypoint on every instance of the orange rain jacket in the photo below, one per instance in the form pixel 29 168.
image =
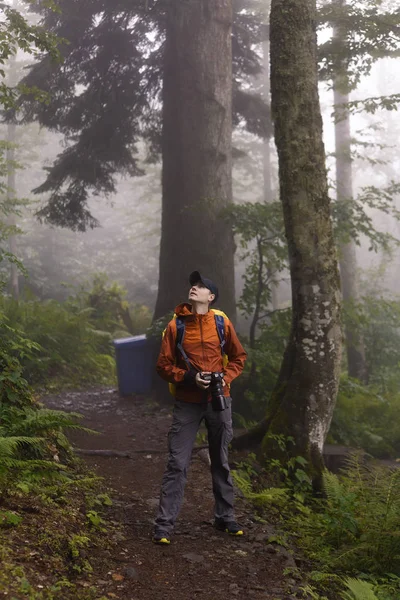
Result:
pixel 202 346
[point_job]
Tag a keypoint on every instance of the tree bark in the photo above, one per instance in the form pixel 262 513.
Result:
pixel 196 149
pixel 306 390
pixel 344 188
pixel 267 166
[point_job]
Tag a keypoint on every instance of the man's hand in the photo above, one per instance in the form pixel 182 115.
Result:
pixel 203 384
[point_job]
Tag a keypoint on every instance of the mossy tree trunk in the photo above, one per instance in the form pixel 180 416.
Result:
pixel 306 390
pixel 196 149
pixel 267 163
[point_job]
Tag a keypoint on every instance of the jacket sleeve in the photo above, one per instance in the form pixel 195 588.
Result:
pixel 236 355
pixel 166 367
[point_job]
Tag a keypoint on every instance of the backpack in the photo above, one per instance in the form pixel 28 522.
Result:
pixel 180 334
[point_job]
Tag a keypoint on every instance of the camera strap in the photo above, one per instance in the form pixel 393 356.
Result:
pixel 180 334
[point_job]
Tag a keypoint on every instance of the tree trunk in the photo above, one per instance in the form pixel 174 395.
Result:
pixel 305 394
pixel 11 178
pixel 267 167
pixel 344 189
pixel 11 190
pixel 196 149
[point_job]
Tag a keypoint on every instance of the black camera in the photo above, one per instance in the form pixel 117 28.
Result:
pixel 218 400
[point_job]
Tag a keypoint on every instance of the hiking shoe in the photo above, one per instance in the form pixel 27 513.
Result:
pixel 230 527
pixel 161 539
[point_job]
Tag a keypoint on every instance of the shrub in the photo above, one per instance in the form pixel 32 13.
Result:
pixel 356 528
pixel 364 418
pixel 67 347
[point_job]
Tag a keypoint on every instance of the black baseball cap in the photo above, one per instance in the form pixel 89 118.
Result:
pixel 195 277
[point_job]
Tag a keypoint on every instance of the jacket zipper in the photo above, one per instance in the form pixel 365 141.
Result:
pixel 206 393
pixel 201 338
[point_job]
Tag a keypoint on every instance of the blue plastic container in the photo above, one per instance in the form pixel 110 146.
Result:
pixel 134 365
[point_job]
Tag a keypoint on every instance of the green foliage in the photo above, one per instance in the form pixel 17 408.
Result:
pixel 9 518
pixel 68 346
pixel 370 30
pixel 356 528
pixel 38 469
pixel 376 317
pixel 103 135
pixel 279 482
pixel 95 520
pixel 9 205
pixel 266 356
pixel 68 343
pixel 259 227
pixel 155 330
pixel 359 590
pixel 267 497
pixel 110 310
pixel 33 446
pixel 289 470
pixel 365 418
pixel 16 33
pixel 353 221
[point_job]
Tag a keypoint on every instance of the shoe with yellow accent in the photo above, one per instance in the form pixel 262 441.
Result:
pixel 230 527
pixel 162 540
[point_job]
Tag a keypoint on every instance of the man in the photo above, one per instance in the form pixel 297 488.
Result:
pixel 187 361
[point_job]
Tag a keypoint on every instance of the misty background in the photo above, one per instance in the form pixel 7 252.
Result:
pixel 125 246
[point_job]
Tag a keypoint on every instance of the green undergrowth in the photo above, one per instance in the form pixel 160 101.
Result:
pixel 51 537
pixel 346 543
pixel 51 506
pixel 70 344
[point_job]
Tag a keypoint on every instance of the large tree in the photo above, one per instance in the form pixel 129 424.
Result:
pixel 362 33
pixel 305 394
pixel 109 93
pixel 356 364
pixel 17 34
pixel 196 151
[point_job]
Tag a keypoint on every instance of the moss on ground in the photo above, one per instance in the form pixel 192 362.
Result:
pixel 51 542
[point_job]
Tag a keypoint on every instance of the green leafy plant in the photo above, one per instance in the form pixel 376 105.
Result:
pixel 356 528
pixel 366 418
pixel 358 590
pixel 94 519
pixel 9 518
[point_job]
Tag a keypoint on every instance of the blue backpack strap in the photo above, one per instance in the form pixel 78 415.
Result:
pixel 180 334
pixel 220 323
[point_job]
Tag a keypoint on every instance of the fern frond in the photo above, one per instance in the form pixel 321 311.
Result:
pixel 29 465
pixel 333 487
pixel 47 420
pixel 359 590
pixel 9 445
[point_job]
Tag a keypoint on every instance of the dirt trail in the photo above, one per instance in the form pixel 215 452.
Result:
pixel 200 563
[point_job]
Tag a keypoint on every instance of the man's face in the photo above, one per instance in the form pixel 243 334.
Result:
pixel 199 293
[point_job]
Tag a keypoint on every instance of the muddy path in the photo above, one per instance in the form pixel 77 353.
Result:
pixel 200 563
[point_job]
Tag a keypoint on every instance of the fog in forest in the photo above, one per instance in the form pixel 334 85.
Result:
pixel 113 267
pixel 256 142
pixel 125 245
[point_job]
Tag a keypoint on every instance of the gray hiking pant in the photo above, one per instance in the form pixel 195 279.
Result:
pixel 186 421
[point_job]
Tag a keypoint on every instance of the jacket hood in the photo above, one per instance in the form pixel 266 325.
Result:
pixel 185 310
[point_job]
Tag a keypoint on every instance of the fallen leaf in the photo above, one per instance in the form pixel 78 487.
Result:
pixel 117 577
